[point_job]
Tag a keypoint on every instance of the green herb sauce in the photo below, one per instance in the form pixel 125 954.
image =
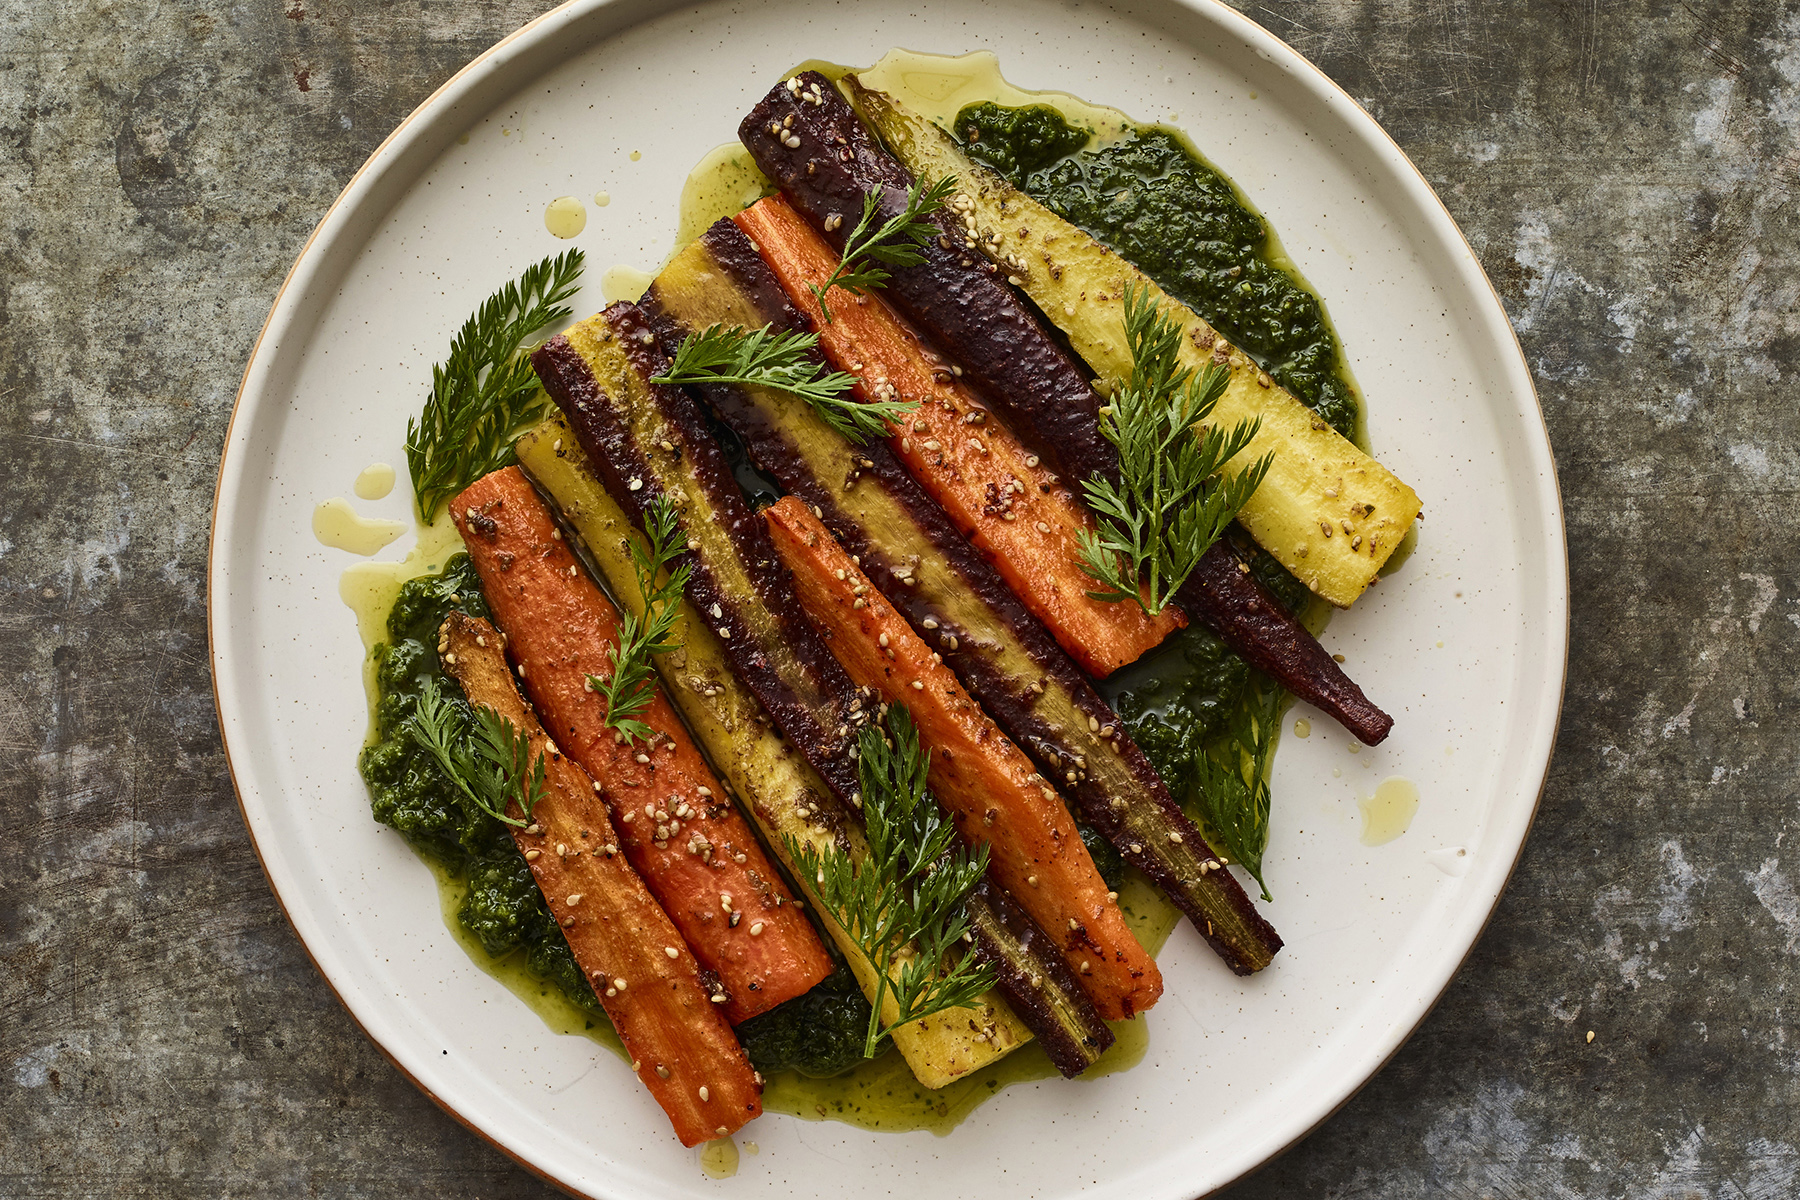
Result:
pixel 1181 222
pixel 501 907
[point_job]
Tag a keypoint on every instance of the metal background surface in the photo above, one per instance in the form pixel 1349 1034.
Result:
pixel 1625 176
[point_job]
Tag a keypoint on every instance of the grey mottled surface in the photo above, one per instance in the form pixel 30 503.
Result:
pixel 1627 173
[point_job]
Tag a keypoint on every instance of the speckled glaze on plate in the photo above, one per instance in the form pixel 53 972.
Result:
pixel 1465 645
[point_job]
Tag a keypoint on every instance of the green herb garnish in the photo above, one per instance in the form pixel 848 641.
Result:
pixel 627 691
pixel 486 394
pixel 489 761
pixel 785 362
pixel 903 906
pixel 1171 502
pixel 1232 783
pixel 896 243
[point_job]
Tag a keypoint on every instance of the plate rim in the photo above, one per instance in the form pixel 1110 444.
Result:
pixel 1278 54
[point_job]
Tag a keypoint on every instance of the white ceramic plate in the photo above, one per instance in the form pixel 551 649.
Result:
pixel 1465 645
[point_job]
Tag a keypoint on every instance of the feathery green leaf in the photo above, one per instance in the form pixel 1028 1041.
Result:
pixel 485 394
pixel 627 691
pixel 903 903
pixel 490 762
pixel 895 243
pixel 786 362
pixel 1172 500
pixel 1232 783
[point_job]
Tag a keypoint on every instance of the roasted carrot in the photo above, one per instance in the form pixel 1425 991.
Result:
pixel 1017 512
pixel 675 823
pixel 627 948
pixel 990 788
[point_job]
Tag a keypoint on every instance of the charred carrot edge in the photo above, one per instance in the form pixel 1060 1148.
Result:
pixel 992 790
pixel 1001 496
pixel 775 786
pixel 955 298
pixel 656 438
pixel 675 824
pixel 953 599
pixel 1235 605
pixel 627 948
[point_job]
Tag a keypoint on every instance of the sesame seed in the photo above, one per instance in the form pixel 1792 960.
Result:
pixel 724 633
pixel 1175 836
pixel 704 791
pixel 662 1072
pixel 883 639
pixel 576 898
pixel 1031 879
pixel 562 850
pixel 1136 849
pixel 718 998
pixel 704 1094
pixel 533 855
pixel 636 485
pixel 568 921
pixel 756 929
pixel 619 983
pixel 918 686
pixel 671 951
pixel 643 758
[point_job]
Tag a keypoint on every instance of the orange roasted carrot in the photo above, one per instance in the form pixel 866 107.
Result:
pixel 679 1043
pixel 675 823
pixel 990 788
pixel 1020 515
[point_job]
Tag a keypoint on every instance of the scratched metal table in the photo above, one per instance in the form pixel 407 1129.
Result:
pixel 1626 173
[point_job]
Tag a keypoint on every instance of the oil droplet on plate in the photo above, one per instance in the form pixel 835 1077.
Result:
pixel 1388 813
pixel 375 481
pixel 602 199
pixel 622 282
pixel 719 1158
pixel 565 217
pixel 339 526
pixel 725 182
pixel 1302 727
